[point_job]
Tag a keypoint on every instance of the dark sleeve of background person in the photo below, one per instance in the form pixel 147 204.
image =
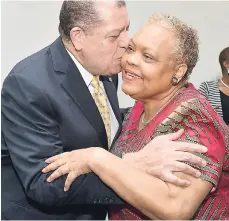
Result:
pixel 31 134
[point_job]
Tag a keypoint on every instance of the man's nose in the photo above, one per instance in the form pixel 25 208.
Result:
pixel 125 40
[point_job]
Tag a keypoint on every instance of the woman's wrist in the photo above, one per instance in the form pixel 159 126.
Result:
pixel 96 156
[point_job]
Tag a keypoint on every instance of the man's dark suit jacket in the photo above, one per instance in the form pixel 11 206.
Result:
pixel 47 109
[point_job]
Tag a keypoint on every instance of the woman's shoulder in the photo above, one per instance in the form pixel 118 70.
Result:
pixel 191 112
pixel 210 82
pixel 191 107
pixel 191 102
pixel 207 84
pixel 189 95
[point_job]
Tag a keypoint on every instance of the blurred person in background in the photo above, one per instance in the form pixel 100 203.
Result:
pixel 217 92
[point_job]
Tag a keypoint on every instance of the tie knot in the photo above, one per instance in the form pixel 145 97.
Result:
pixel 95 82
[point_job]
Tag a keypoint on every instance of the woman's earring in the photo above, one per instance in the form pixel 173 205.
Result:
pixel 174 81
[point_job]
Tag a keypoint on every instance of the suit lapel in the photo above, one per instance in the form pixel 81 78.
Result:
pixel 75 86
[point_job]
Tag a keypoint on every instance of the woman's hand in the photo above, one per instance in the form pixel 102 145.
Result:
pixel 74 163
pixel 164 155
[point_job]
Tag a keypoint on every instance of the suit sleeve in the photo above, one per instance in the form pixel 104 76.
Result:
pixel 32 135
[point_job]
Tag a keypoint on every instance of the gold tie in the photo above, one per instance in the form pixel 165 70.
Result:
pixel 102 104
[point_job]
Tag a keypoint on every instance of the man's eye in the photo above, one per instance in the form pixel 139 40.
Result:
pixel 114 36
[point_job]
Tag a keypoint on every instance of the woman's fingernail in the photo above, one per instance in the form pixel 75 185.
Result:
pixel 49 179
pixel 205 149
pixel 188 183
pixel 198 174
pixel 204 163
pixel 65 189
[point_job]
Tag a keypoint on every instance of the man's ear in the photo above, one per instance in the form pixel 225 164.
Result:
pixel 180 71
pixel 77 36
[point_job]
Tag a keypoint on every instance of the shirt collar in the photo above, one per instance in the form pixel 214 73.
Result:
pixel 84 73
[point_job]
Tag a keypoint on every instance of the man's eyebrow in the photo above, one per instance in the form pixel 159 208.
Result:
pixel 118 30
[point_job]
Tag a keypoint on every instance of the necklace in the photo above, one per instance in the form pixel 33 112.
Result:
pixel 224 83
pixel 143 115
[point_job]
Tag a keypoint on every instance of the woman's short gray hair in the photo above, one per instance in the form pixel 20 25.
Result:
pixel 186 48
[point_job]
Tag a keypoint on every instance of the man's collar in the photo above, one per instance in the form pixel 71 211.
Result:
pixel 85 74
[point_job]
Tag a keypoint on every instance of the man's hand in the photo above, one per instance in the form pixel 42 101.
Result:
pixel 163 156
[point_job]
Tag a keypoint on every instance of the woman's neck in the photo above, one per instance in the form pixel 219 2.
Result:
pixel 154 105
pixel 223 85
pixel 225 78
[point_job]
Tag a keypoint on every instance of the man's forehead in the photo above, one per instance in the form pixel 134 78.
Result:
pixel 106 8
pixel 118 27
pixel 108 11
pixel 113 18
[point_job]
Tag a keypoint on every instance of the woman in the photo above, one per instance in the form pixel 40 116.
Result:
pixel 217 92
pixel 156 66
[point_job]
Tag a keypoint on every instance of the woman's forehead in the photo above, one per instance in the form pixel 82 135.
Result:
pixel 153 36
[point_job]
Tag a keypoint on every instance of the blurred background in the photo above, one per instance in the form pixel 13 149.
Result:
pixel 28 26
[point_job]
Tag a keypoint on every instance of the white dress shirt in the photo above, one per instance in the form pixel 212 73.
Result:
pixel 88 78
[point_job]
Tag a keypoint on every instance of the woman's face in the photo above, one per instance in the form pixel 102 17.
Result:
pixel 147 67
pixel 226 64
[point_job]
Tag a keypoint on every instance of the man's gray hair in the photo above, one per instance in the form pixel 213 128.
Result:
pixel 81 14
pixel 186 47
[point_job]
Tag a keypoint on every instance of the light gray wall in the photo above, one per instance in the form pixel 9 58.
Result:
pixel 28 26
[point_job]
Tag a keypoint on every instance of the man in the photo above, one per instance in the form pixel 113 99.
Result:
pixel 50 105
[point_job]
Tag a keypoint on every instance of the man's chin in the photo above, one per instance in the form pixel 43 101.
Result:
pixel 116 70
pixel 109 74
